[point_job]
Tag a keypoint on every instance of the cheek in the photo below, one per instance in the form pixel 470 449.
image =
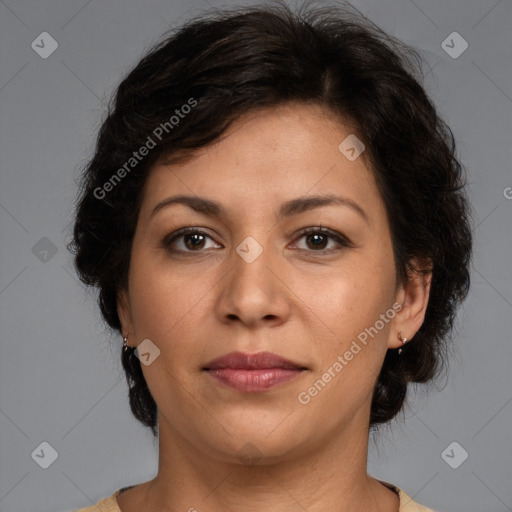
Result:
pixel 347 298
pixel 163 311
pixel 350 305
pixel 159 296
pixel 168 308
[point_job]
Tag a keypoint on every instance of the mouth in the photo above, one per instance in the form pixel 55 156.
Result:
pixel 253 372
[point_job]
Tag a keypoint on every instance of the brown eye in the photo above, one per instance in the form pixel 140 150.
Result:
pixel 318 238
pixel 189 240
pixel 193 240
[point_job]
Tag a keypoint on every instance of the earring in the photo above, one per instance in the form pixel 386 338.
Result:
pixel 403 340
pixel 125 343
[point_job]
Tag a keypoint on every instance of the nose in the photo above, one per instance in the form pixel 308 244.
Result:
pixel 254 292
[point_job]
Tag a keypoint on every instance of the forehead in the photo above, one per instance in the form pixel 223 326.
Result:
pixel 266 157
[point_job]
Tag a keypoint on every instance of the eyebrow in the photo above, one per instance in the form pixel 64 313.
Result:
pixel 287 209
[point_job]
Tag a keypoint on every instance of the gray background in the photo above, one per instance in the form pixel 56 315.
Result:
pixel 61 382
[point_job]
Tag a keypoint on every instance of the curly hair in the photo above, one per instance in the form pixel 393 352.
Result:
pixel 223 64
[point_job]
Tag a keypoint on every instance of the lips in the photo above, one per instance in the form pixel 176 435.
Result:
pixel 259 361
pixel 253 372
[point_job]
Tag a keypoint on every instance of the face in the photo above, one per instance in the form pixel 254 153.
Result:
pixel 246 278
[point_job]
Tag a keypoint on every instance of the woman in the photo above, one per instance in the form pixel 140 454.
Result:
pixel 277 224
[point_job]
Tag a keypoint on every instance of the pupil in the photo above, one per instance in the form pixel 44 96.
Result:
pixel 317 237
pixel 197 240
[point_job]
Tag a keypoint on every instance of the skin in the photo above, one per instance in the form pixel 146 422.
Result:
pixel 292 300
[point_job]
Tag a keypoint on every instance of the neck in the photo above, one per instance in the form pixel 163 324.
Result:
pixel 329 475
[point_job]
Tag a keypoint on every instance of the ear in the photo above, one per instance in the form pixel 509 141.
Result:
pixel 413 297
pixel 125 313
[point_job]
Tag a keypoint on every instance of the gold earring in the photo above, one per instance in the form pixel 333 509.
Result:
pixel 403 340
pixel 125 343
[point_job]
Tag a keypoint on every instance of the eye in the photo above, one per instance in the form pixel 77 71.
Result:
pixel 193 238
pixel 319 237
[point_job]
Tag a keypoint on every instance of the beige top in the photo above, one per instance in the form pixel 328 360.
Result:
pixel 110 504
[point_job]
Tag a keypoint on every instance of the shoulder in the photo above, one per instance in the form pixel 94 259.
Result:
pixel 105 505
pixel 407 504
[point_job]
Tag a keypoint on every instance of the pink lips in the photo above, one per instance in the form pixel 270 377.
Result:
pixel 253 372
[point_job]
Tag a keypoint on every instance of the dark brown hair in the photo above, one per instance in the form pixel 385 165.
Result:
pixel 228 62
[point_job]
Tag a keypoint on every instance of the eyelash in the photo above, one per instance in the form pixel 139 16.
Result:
pixel 341 240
